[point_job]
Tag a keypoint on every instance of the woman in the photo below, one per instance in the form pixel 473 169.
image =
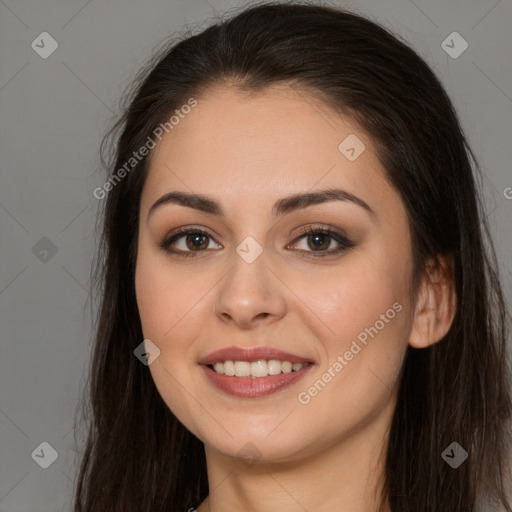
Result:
pixel 299 308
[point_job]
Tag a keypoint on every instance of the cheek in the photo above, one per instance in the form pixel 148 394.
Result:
pixel 173 307
pixel 154 299
pixel 365 322
pixel 361 360
pixel 160 305
pixel 165 297
pixel 168 303
pixel 354 296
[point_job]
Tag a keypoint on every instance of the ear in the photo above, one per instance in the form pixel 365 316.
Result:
pixel 436 303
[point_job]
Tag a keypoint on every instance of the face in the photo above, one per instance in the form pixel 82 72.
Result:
pixel 324 284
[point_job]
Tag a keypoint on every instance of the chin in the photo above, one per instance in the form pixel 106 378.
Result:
pixel 255 445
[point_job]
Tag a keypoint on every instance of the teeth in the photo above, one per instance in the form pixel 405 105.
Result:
pixel 255 369
pixel 286 367
pixel 228 367
pixel 259 368
pixel 242 368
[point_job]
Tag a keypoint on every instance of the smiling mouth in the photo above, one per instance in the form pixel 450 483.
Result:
pixel 256 369
pixel 244 384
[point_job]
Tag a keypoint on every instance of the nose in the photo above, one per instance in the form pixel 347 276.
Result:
pixel 250 293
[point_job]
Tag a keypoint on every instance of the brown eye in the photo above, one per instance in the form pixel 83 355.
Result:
pixel 195 240
pixel 319 240
pixel 190 242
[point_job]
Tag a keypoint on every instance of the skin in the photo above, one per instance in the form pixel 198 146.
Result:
pixel 248 151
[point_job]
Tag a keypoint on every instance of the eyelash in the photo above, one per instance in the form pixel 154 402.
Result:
pixel 344 242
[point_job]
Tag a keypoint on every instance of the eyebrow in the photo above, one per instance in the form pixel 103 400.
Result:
pixel 281 207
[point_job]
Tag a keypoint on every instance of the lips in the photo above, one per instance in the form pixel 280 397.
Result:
pixel 249 387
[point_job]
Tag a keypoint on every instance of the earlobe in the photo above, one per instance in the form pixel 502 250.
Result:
pixel 436 304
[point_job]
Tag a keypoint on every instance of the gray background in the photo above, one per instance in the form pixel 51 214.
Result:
pixel 54 112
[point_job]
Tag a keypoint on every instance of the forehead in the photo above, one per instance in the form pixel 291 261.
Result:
pixel 280 141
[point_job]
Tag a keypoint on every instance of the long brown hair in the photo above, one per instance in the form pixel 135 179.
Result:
pixel 138 457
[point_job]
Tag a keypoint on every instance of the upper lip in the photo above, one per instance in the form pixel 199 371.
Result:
pixel 250 355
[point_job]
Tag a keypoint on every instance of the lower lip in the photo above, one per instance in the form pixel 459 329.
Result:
pixel 247 387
